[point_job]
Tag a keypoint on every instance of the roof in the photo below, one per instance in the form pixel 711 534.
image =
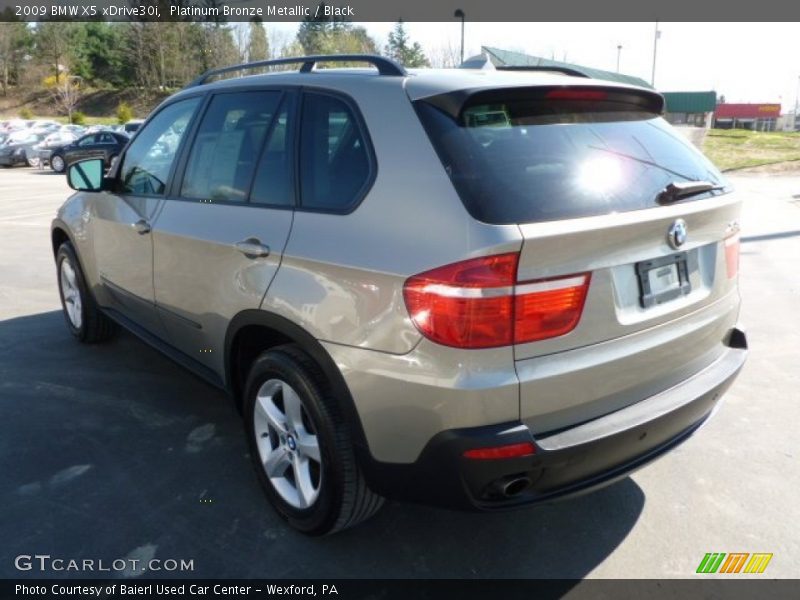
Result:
pixel 748 111
pixel 690 102
pixel 518 59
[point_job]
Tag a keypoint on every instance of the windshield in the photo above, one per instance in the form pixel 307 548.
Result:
pixel 524 161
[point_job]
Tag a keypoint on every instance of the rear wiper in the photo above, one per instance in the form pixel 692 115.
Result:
pixel 684 189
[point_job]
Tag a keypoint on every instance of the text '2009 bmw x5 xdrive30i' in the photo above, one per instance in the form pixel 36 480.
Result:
pixel 468 288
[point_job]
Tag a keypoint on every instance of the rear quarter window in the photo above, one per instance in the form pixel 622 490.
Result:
pixel 528 160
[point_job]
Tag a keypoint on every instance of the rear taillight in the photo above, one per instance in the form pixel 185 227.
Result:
pixel 732 255
pixel 479 304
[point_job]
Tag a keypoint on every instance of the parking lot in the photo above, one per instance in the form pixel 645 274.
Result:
pixel 112 451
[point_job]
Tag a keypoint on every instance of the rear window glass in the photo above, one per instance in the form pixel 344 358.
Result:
pixel 522 161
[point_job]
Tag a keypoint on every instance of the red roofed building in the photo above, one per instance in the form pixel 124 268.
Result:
pixel 758 117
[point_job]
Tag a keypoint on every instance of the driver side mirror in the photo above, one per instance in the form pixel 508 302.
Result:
pixel 87 175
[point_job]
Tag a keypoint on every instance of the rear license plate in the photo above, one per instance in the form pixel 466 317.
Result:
pixel 663 279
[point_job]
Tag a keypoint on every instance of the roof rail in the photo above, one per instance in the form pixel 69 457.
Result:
pixel 385 66
pixel 564 70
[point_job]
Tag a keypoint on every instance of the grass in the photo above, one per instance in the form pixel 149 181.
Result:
pixel 732 149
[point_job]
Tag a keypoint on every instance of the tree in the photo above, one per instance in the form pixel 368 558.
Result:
pixel 258 45
pixel 66 91
pixel 15 41
pixel 403 51
pixel 54 45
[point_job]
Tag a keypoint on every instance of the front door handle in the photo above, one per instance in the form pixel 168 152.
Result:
pixel 141 227
pixel 252 248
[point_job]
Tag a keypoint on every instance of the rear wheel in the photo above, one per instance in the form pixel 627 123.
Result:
pixel 84 319
pixel 57 163
pixel 33 161
pixel 301 445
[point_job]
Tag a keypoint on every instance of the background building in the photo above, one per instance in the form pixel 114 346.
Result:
pixel 757 117
pixel 695 109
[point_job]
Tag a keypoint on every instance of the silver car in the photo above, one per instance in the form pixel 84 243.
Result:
pixel 468 288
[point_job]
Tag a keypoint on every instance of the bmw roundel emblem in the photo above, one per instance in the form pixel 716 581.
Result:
pixel 677 234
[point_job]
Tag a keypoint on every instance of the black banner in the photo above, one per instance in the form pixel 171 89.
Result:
pixel 408 10
pixel 399 589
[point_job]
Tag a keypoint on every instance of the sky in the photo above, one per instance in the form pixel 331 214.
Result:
pixel 747 62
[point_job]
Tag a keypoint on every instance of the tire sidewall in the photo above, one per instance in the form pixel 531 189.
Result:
pixel 66 252
pixel 321 516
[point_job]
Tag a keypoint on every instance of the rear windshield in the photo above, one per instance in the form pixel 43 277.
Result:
pixel 522 161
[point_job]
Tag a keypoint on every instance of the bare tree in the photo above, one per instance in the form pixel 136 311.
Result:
pixel 446 56
pixel 67 93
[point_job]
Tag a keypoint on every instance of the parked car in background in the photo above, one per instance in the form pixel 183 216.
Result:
pixel 43 150
pixel 16 149
pixel 44 126
pixel 132 126
pixel 14 125
pixel 103 144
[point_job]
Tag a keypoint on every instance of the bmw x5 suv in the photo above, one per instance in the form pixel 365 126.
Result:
pixel 468 288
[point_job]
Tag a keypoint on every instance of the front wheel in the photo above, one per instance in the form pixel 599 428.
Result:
pixel 84 319
pixel 57 163
pixel 301 445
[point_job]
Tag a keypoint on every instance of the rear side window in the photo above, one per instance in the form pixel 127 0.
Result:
pixel 334 159
pixel 227 145
pixel 522 160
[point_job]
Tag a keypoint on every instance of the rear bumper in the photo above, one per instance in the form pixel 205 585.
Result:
pixel 566 462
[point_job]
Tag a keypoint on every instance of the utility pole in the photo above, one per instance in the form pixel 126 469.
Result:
pixel 619 51
pixel 459 14
pixel 655 49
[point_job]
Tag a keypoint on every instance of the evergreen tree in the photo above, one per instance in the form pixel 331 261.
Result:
pixel 258 45
pixel 403 51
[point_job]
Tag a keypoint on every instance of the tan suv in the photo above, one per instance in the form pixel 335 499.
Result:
pixel 468 288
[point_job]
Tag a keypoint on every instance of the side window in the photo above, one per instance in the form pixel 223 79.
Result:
pixel 273 181
pixel 333 156
pixel 149 158
pixel 87 141
pixel 228 142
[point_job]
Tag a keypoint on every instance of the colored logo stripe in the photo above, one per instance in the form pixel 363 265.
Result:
pixel 713 562
pixel 734 562
pixel 758 562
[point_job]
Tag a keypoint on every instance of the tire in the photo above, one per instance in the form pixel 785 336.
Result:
pixel 33 161
pixel 286 384
pixel 84 319
pixel 57 163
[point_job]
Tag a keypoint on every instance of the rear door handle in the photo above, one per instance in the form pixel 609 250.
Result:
pixel 141 227
pixel 252 248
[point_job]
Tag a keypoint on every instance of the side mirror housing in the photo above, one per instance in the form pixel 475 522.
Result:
pixel 87 175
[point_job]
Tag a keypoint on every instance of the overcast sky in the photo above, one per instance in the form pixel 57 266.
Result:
pixel 747 62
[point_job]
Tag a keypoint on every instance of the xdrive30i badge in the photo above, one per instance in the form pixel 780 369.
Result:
pixel 677 234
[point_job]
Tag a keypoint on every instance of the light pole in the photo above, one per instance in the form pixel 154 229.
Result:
pixel 459 14
pixel 619 52
pixel 655 48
